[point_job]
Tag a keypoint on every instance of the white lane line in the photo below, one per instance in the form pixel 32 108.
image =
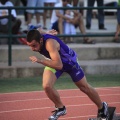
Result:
pixel 39 99
pixel 103 88
pixel 30 109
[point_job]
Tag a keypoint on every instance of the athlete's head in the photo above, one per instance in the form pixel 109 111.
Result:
pixel 34 40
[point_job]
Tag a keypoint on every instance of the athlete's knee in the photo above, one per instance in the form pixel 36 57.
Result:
pixel 86 89
pixel 47 87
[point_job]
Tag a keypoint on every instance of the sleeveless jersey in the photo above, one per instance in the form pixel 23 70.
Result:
pixel 68 56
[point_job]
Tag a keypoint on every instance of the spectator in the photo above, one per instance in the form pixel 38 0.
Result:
pixel 110 3
pixel 24 2
pixel 4 26
pixel 77 3
pixel 100 14
pixel 48 3
pixel 69 28
pixel 4 18
pixel 58 17
pixel 16 3
pixel 118 25
pixel 34 3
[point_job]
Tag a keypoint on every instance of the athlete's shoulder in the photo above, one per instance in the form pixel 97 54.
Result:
pixel 48 36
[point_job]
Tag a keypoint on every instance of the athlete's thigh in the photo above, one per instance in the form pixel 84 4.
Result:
pixel 78 77
pixel 49 77
pixel 76 72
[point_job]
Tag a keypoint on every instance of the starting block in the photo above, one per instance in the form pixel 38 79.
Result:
pixel 112 116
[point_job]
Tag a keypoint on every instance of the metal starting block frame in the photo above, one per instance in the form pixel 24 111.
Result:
pixel 112 115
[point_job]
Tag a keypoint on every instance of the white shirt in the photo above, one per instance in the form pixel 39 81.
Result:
pixel 4 12
pixel 50 1
pixel 54 18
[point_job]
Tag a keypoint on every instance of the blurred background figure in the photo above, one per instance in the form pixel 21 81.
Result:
pixel 90 3
pixel 16 3
pixel 58 18
pixel 48 3
pixel 37 12
pixel 24 2
pixel 77 3
pixel 69 29
pixel 117 39
pixel 4 18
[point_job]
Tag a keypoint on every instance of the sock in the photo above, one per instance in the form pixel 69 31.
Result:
pixel 61 109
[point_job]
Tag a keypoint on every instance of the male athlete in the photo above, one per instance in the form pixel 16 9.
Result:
pixel 60 58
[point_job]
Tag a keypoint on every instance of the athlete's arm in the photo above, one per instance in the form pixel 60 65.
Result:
pixel 55 62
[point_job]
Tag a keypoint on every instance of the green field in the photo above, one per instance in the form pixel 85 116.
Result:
pixel 65 82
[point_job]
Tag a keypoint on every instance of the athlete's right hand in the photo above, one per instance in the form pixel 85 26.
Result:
pixel 34 59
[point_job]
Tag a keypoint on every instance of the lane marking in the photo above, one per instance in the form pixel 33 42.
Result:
pixel 30 109
pixel 39 99
pixel 103 88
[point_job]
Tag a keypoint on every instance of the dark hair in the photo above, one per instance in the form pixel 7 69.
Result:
pixel 3 1
pixel 65 0
pixel 33 35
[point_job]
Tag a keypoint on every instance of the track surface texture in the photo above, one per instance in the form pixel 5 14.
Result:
pixel 36 106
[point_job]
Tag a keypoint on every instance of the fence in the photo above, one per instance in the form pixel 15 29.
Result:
pixel 10 35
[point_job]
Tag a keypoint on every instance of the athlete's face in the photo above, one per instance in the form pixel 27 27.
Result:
pixel 34 45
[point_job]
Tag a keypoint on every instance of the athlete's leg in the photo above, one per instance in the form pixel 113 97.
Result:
pixel 79 79
pixel 49 79
pixel 90 91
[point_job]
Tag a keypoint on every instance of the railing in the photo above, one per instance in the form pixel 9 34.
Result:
pixel 10 35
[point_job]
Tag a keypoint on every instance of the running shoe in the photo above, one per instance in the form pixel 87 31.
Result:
pixel 57 113
pixel 103 113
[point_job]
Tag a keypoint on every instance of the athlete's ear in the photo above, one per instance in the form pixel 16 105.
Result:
pixel 41 40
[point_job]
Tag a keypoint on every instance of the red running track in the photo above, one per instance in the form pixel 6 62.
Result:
pixel 36 105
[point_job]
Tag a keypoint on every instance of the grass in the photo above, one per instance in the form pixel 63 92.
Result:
pixel 65 82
